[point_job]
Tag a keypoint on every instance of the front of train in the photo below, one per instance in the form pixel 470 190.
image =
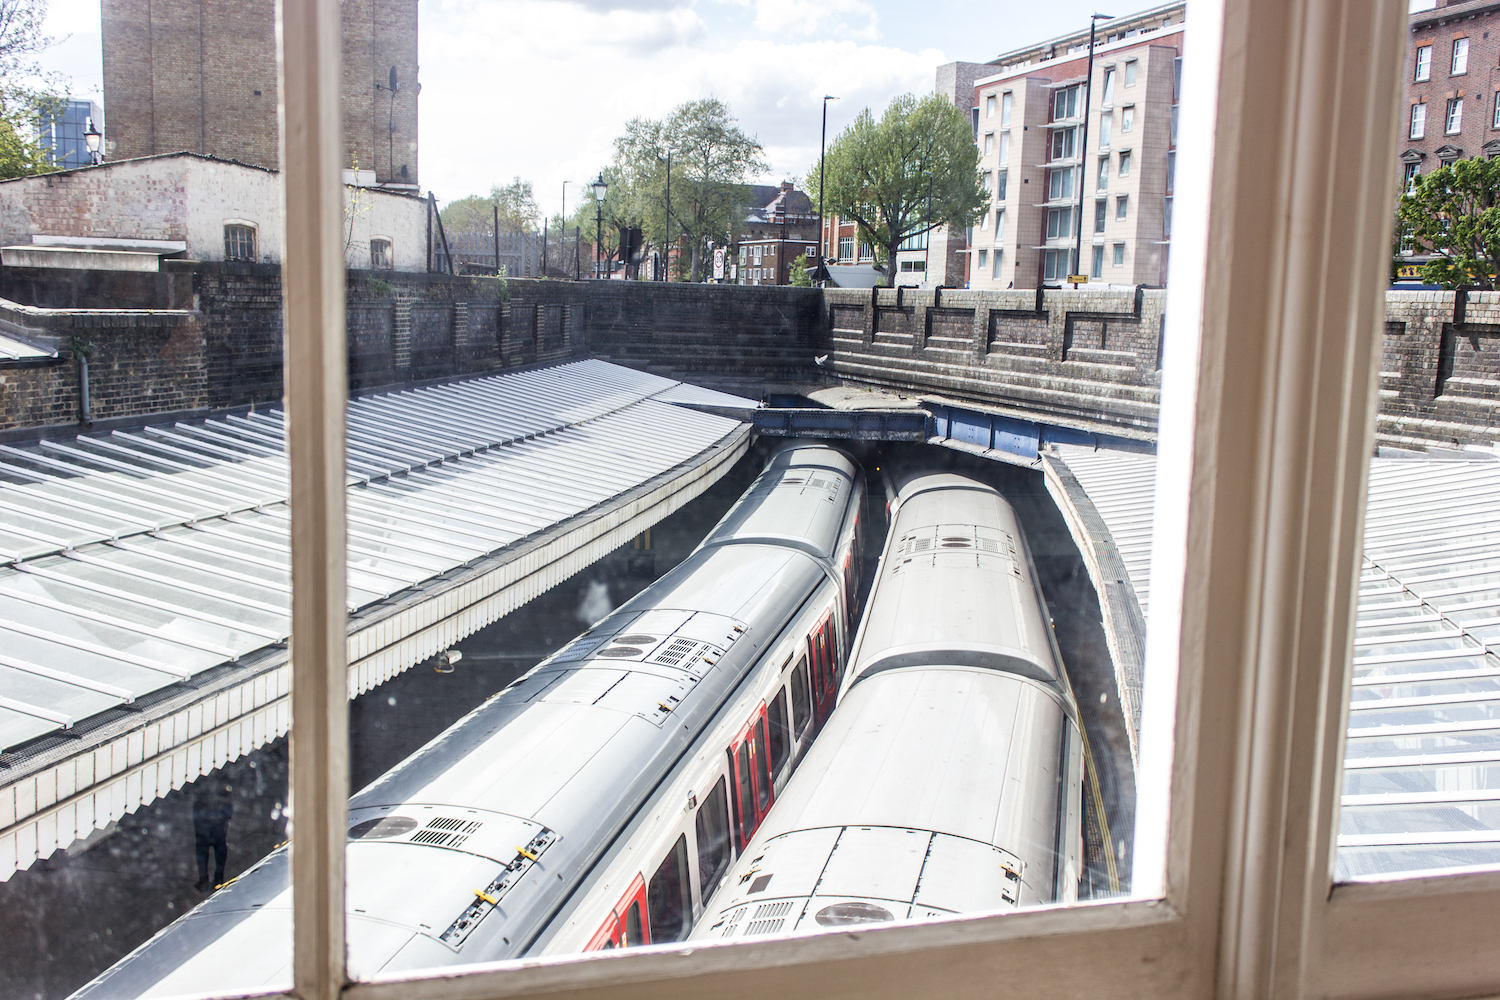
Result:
pixel 948 779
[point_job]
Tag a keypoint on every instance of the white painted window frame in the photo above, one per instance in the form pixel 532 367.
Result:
pixel 1268 410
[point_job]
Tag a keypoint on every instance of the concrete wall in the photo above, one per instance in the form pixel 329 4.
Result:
pixel 191 198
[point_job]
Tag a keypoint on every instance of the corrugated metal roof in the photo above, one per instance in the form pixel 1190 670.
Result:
pixel 1422 761
pixel 137 559
pixel 15 349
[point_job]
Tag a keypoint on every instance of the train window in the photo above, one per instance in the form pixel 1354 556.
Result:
pixel 801 707
pixel 713 839
pixel 669 903
pixel 763 765
pixel 744 800
pixel 781 742
pixel 633 934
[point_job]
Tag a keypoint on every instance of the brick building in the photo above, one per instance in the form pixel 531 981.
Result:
pixel 1452 85
pixel 201 77
pixel 1045 176
pixel 781 225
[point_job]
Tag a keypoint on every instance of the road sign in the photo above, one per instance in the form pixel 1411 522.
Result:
pixel 719 264
pixel 1078 279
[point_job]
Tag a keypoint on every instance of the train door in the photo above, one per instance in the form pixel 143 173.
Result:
pixel 750 773
pixel 626 925
pixel 824 667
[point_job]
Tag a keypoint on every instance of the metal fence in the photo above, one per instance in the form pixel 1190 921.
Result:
pixel 520 254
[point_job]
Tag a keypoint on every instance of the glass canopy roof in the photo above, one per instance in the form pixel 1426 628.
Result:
pixel 133 560
pixel 1422 761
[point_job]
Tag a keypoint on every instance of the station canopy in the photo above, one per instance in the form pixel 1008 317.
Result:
pixel 1422 759
pixel 135 560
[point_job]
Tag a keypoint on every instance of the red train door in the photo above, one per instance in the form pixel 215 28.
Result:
pixel 626 924
pixel 824 659
pixel 750 777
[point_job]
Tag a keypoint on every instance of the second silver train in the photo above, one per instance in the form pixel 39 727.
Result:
pixel 947 780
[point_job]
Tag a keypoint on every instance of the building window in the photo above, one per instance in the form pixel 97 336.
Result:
pixel 1455 116
pixel 1101 209
pixel 1460 56
pixel 1059 223
pixel 1002 178
pixel 989 144
pixel 1005 109
pixel 984 221
pixel 1176 78
pixel 846 248
pixel 1166 217
pixel 1130 65
pixel 1063 141
pixel 999 225
pixel 917 241
pixel 866 252
pixel 1103 184
pixel 1171 170
pixel 984 259
pixel 1413 170
pixel 914 265
pixel 1119 255
pixel 1060 184
pixel 1173 126
pixel 1419 118
pixel 1497 109
pixel 1065 104
pixel 1122 206
pixel 1109 86
pixel 1004 147
pixel 995 264
pixel 1125 164
pixel 989 106
pixel 1097 269
pixel 1106 124
pixel 1424 64
pixel 1127 118
pixel 756 251
pixel 984 182
pixel 381 257
pixel 239 242
pixel 1055 264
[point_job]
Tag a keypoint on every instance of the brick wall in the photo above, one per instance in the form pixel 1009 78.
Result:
pixel 1087 358
pixel 200 75
pixel 139 363
pixel 1440 369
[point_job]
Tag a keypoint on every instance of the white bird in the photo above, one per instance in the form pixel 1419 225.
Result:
pixel 820 359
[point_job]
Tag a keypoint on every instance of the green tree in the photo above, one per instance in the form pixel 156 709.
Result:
pixel 712 161
pixel 1454 214
pixel 27 94
pixel 476 213
pixel 798 272
pixel 878 173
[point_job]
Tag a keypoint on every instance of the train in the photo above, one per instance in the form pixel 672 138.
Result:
pixel 948 778
pixel 598 800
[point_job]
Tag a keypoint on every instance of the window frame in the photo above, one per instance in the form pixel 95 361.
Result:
pixel 1460 64
pixel 1132 69
pixel 1422 64
pixel 1453 116
pixel 1273 345
pixel 1418 127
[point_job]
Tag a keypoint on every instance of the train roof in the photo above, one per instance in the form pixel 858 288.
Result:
pixel 958 538
pixel 775 510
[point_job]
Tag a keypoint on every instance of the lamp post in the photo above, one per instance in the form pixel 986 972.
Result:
pixel 1083 144
pixel 666 231
pixel 95 140
pixel 599 187
pixel 822 151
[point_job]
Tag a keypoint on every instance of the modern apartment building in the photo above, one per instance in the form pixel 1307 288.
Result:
pixel 201 78
pixel 1452 92
pixel 1057 154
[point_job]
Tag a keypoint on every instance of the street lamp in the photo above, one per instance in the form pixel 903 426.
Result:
pixel 666 232
pixel 599 187
pixel 1083 144
pixel 95 140
pixel 822 150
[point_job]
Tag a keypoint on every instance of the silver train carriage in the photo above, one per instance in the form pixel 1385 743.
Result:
pixel 948 779
pixel 533 823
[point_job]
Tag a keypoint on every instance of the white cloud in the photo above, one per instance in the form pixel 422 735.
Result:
pixel 838 18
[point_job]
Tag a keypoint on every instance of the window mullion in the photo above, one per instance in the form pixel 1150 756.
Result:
pixel 316 396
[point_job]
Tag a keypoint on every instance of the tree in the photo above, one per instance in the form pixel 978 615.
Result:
pixel 476 214
pixel 878 173
pixel 712 161
pixel 27 94
pixel 1454 213
pixel 798 272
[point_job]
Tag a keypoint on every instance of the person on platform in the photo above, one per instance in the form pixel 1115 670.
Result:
pixel 213 805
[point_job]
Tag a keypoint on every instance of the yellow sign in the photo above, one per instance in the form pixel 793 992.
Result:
pixel 1408 271
pixel 1078 279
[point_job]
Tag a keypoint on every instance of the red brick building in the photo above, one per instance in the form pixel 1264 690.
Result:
pixel 1452 85
pixel 781 225
pixel 201 77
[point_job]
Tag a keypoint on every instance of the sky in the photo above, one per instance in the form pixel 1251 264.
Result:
pixel 540 88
